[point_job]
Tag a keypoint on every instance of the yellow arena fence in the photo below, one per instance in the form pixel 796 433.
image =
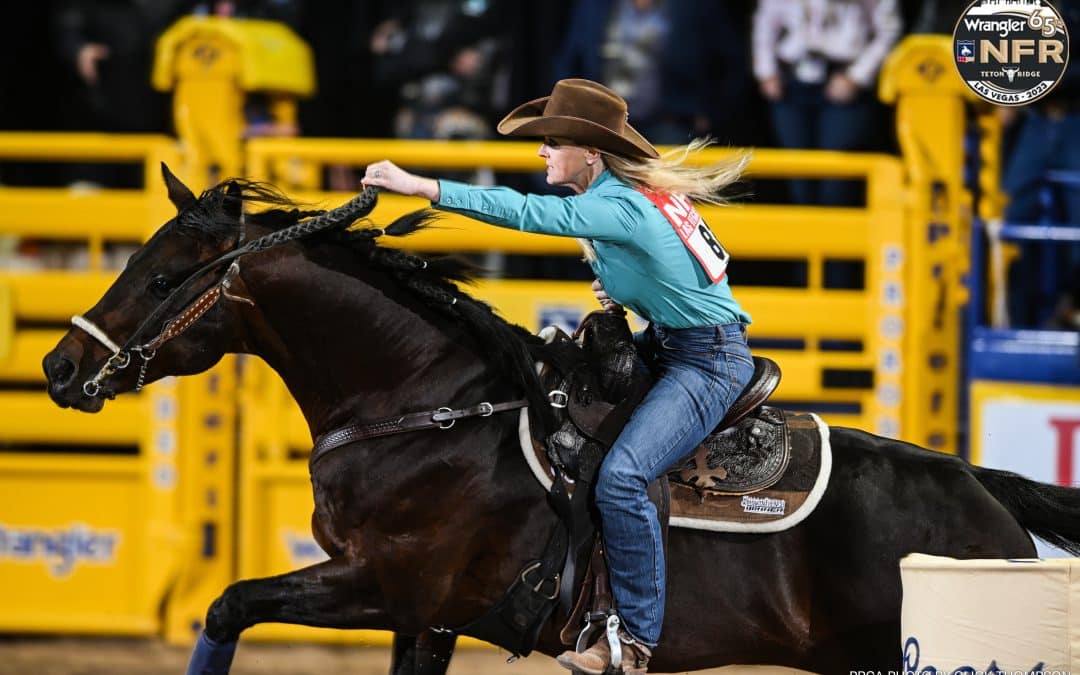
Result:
pixel 105 518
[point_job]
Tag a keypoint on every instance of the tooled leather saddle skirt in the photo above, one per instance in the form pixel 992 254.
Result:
pixel 761 469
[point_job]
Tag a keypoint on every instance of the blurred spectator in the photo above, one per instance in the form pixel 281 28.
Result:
pixel 447 60
pixel 109 45
pixel 257 107
pixel 1042 179
pixel 678 63
pixel 706 70
pixel 1066 314
pixel 619 43
pixel 282 11
pixel 817 62
pixel 536 34
pixel 346 103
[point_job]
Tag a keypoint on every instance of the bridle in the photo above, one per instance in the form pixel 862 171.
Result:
pixel 120 359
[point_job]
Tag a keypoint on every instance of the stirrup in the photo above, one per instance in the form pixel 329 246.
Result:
pixel 595 622
pixel 611 633
pixel 614 637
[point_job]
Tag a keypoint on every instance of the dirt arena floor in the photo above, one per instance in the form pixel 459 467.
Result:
pixel 102 656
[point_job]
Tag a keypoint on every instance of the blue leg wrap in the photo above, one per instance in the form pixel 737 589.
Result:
pixel 211 658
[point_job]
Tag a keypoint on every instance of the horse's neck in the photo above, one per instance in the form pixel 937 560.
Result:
pixel 351 350
pixel 347 350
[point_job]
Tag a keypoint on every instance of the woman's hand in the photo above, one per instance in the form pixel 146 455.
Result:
pixel 389 176
pixel 841 89
pixel 772 88
pixel 607 303
pixel 87 60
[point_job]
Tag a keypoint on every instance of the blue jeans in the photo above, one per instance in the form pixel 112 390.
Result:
pixel 700 372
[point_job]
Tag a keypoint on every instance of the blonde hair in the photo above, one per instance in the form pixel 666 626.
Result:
pixel 670 174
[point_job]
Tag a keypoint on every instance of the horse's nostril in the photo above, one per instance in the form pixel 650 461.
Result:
pixel 59 370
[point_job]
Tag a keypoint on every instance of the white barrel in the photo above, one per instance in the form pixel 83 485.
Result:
pixel 1015 616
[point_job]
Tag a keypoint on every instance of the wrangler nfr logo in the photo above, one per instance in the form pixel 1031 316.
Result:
pixel 1011 52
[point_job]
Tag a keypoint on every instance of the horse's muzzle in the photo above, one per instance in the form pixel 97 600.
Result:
pixel 65 386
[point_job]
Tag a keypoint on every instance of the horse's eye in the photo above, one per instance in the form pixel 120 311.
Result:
pixel 160 285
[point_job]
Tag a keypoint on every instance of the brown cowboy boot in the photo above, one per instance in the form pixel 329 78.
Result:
pixel 596 659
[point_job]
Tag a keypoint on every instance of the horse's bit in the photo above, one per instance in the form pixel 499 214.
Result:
pixel 121 356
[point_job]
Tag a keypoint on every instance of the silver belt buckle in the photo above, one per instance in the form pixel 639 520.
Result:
pixel 811 70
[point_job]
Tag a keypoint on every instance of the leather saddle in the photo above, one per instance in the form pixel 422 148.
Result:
pixel 741 455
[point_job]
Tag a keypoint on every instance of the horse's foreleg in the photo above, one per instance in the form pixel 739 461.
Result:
pixel 425 654
pixel 331 594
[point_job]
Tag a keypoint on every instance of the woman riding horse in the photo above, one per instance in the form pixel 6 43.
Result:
pixel 652 252
pixel 427 525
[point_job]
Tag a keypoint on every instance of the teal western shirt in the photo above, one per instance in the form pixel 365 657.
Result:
pixel 640 259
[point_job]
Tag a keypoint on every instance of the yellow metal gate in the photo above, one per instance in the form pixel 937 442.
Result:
pixel 104 518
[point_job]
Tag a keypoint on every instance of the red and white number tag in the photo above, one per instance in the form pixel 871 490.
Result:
pixel 693 231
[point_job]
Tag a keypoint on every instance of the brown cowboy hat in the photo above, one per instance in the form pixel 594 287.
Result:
pixel 584 112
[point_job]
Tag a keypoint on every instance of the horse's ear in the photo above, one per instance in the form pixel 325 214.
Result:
pixel 233 205
pixel 179 194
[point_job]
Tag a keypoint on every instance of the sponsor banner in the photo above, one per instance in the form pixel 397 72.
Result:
pixel 60 550
pixel 1032 430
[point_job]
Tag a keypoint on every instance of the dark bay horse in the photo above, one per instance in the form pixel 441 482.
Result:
pixel 428 528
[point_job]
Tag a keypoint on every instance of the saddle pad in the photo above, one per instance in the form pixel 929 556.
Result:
pixel 777 508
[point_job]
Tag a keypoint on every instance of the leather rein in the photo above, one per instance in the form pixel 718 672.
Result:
pixel 443 418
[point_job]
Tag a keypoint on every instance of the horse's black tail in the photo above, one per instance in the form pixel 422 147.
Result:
pixel 1050 512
